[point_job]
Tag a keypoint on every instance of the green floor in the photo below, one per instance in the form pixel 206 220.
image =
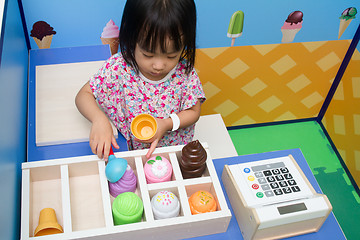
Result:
pixel 326 167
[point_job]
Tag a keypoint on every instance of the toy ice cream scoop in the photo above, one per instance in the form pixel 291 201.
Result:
pixel 42 33
pixel 127 183
pixel 193 160
pixel 143 126
pixel 165 204
pixel 292 26
pixel 110 35
pixel 345 19
pixel 127 208
pixel 157 169
pixel 236 26
pixel 115 168
pixel 202 202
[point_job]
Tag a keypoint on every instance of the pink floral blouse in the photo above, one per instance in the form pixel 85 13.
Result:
pixel 122 94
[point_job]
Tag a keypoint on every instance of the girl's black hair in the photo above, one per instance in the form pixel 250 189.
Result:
pixel 152 22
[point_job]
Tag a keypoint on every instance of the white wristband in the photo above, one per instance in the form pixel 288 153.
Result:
pixel 176 121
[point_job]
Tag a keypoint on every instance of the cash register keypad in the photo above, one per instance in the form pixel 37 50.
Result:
pixel 269 180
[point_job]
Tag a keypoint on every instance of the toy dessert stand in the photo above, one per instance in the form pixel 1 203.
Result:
pixel 273 199
pixel 77 189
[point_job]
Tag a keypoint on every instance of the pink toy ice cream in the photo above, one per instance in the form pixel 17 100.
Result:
pixel 127 183
pixel 165 204
pixel 157 169
pixel 110 35
pixel 292 26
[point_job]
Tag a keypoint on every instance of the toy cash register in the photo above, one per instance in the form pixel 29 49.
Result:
pixel 273 199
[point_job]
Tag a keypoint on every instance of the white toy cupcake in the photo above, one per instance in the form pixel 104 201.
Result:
pixel 165 204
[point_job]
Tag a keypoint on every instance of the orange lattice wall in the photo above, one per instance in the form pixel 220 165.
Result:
pixel 267 83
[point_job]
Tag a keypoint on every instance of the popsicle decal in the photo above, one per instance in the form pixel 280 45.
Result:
pixel 291 26
pixel 236 26
pixel 345 19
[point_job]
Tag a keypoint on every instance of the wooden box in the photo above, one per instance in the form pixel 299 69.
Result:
pixel 78 190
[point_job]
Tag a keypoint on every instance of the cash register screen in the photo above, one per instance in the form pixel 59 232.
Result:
pixel 292 208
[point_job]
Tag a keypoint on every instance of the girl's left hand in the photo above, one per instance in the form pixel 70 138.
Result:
pixel 163 125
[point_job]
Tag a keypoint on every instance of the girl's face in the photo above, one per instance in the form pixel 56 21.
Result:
pixel 156 65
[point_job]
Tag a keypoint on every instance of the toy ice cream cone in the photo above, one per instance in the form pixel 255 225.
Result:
pixel 45 42
pixel 113 42
pixel 345 19
pixel 291 26
pixel 143 126
pixel 110 35
pixel 288 35
pixel 47 223
pixel 42 33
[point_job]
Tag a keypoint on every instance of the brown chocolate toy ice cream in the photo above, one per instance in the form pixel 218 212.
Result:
pixel 42 33
pixel 193 160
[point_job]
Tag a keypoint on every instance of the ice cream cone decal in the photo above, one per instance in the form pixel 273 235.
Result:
pixel 292 26
pixel 42 33
pixel 345 19
pixel 110 35
pixel 236 26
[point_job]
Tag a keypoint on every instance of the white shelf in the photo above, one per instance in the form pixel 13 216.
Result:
pixel 78 191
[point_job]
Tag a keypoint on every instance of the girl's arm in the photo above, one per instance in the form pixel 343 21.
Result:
pixel 187 118
pixel 101 134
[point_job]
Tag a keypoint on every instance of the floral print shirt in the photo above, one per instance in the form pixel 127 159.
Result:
pixel 122 94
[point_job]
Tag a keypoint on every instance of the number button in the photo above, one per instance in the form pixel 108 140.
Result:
pixel 267 173
pixel 288 176
pixel 286 190
pixel 274 185
pixel 295 189
pixel 278 192
pixel 276 171
pixel 279 177
pixel 292 182
pixel 283 184
pixel 270 179
pixel 284 170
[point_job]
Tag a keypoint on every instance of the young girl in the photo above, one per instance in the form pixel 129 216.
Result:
pixel 154 74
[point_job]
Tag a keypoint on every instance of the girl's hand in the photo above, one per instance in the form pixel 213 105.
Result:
pixel 163 125
pixel 101 138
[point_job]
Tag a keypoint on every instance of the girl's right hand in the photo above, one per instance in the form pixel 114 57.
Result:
pixel 102 137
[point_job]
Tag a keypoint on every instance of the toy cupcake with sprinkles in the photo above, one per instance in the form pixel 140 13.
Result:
pixel 158 169
pixel 165 204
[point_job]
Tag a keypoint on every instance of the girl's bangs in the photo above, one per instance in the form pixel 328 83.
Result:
pixel 157 34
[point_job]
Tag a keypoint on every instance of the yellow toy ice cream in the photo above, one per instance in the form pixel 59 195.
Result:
pixel 345 19
pixel 110 35
pixel 236 26
pixel 42 33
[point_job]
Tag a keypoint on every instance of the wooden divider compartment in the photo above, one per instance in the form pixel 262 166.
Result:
pixel 78 190
pixel 86 202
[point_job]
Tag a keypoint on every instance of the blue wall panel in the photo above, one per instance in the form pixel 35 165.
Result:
pixel 13 100
pixel 80 22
